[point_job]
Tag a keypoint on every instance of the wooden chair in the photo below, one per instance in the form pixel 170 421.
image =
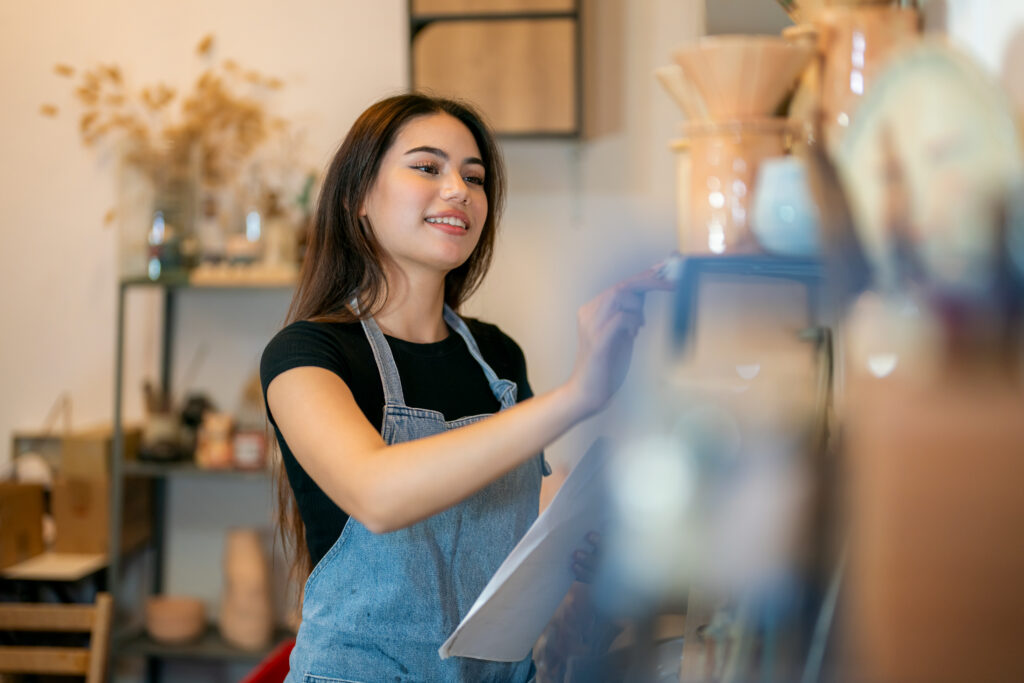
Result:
pixel 90 662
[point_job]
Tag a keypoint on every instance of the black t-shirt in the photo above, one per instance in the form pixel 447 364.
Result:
pixel 440 376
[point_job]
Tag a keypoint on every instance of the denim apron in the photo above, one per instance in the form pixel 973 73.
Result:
pixel 378 606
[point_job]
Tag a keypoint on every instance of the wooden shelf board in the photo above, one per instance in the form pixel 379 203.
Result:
pixel 51 566
pixel 188 469
pixel 184 283
pixel 209 646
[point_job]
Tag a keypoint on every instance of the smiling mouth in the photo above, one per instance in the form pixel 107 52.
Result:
pixel 449 220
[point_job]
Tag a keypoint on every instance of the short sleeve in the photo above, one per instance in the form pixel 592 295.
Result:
pixel 301 344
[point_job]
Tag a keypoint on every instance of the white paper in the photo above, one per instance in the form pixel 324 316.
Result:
pixel 521 597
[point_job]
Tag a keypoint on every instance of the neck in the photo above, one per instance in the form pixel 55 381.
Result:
pixel 414 310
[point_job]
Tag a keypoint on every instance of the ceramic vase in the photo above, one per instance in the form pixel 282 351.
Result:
pixel 157 210
pixel 214 445
pixel 855 43
pixel 246 613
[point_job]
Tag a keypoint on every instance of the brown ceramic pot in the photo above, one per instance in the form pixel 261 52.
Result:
pixel 855 43
pixel 246 614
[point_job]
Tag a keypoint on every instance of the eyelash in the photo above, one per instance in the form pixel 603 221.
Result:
pixel 433 170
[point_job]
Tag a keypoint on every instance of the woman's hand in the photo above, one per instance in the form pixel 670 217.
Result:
pixel 585 562
pixel 607 327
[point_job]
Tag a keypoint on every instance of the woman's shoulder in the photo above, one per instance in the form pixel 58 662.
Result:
pixel 329 345
pixel 305 333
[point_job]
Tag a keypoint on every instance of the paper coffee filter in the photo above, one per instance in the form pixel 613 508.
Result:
pixel 681 91
pixel 742 76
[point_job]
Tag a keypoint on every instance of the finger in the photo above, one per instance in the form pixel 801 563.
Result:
pixel 594 539
pixel 582 573
pixel 631 302
pixel 585 559
pixel 660 276
pixel 620 324
pixel 617 307
pixel 629 321
pixel 648 281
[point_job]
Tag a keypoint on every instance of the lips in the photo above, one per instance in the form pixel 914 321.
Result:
pixel 454 222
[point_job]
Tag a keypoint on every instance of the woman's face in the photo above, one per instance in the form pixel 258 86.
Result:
pixel 427 205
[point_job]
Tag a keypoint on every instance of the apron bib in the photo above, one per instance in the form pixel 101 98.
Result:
pixel 378 606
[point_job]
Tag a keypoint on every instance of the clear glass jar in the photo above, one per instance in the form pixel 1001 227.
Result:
pixel 723 162
pixel 158 209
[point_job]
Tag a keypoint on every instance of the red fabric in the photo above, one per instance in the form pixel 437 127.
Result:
pixel 274 666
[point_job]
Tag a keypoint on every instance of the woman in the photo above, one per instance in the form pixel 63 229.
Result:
pixel 408 497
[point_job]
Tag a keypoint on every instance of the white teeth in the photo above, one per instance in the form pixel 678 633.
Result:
pixel 449 221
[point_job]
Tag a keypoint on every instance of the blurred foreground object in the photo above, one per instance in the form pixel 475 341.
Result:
pixel 934 397
pixel 951 132
pixel 935 468
pixel 715 484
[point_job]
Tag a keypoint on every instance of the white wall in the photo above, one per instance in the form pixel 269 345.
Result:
pixel 993 31
pixel 580 215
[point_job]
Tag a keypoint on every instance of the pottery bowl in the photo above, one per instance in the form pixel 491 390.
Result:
pixel 175 618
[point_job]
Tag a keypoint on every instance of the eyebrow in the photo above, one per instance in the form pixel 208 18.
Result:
pixel 444 155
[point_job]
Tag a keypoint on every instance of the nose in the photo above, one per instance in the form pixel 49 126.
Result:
pixel 455 189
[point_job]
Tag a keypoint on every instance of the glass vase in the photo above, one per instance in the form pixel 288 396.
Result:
pixel 158 210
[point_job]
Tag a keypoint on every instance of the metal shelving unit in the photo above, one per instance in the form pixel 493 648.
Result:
pixel 208 647
pixel 131 643
pixel 188 469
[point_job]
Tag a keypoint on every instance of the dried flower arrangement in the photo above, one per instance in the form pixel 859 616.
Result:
pixel 223 119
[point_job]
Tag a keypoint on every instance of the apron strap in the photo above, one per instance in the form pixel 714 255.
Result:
pixel 385 360
pixel 504 390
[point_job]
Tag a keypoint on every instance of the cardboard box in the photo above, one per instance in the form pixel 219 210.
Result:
pixel 83 453
pixel 87 454
pixel 46 444
pixel 81 513
pixel 21 522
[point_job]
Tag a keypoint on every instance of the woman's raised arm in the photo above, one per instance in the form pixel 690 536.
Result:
pixel 390 487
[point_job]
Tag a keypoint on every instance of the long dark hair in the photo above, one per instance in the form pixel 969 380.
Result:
pixel 344 261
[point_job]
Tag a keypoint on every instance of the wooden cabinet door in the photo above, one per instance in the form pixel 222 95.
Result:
pixel 522 73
